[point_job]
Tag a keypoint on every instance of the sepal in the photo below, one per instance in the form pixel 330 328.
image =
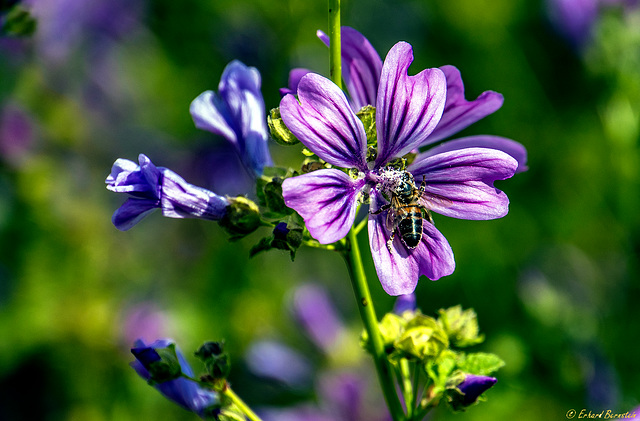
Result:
pixel 215 359
pixel 285 236
pixel 279 131
pixel 161 363
pixel 269 192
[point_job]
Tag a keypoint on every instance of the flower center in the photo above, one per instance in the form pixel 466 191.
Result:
pixel 392 180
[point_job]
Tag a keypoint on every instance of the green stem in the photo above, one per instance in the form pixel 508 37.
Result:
pixel 407 386
pixel 370 321
pixel 335 62
pixel 240 404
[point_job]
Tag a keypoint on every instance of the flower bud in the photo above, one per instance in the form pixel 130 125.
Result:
pixel 161 363
pixel 242 217
pixel 279 131
pixel 469 389
pixel 215 359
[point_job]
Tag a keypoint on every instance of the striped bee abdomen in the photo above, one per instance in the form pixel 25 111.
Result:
pixel 410 225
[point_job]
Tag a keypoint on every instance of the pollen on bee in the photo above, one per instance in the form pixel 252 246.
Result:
pixel 389 179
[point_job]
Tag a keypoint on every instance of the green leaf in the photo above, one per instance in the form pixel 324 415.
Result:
pixel 480 363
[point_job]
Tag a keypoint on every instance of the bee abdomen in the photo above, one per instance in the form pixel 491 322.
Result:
pixel 410 226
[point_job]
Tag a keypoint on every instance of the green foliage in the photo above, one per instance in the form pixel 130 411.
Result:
pixel 480 363
pixel 18 22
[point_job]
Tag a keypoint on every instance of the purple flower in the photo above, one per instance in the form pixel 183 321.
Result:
pixel 314 311
pixel 151 187
pixel 361 71
pixel 182 391
pixel 574 19
pixel 274 360
pixel 457 182
pixel 237 113
pixel 404 303
pixel 473 386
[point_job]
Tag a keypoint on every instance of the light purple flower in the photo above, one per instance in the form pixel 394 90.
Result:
pixel 182 391
pixel 237 113
pixel 275 360
pixel 151 187
pixel 314 311
pixel 457 183
pixel 361 72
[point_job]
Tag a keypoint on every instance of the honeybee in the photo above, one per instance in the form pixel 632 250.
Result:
pixel 408 208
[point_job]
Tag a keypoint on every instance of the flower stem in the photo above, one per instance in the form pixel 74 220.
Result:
pixel 370 321
pixel 407 387
pixel 240 404
pixel 335 62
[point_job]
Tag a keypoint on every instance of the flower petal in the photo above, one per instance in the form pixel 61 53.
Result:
pixel 237 112
pixel 325 123
pixel 326 199
pixel 458 112
pixel 361 66
pixel 511 147
pixel 294 80
pixel 400 268
pixel 132 211
pixel 461 182
pixel 183 200
pixel 408 108
pixel 210 112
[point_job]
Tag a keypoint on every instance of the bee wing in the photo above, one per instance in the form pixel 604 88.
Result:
pixel 433 201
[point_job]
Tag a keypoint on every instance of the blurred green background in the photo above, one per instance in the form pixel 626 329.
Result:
pixel 555 283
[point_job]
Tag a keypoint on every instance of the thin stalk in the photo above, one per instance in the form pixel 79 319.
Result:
pixel 370 321
pixel 335 61
pixel 240 404
pixel 407 386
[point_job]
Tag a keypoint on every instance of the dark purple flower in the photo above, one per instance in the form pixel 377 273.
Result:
pixel 473 386
pixel 313 309
pixel 182 391
pixel 361 72
pixel 456 183
pixel 237 113
pixel 151 187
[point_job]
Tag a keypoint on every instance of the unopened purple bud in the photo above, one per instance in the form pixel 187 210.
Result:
pixel 404 303
pixel 473 386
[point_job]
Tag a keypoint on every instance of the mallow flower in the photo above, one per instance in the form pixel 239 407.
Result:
pixel 184 392
pixel 456 182
pixel 237 113
pixel 150 187
pixel 361 70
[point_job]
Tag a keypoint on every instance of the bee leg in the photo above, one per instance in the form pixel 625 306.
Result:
pixel 423 185
pixel 390 241
pixel 382 208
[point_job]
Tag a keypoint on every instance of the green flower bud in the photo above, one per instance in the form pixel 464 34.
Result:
pixel 216 361
pixel 460 326
pixel 242 218
pixel 279 131
pixel 422 338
